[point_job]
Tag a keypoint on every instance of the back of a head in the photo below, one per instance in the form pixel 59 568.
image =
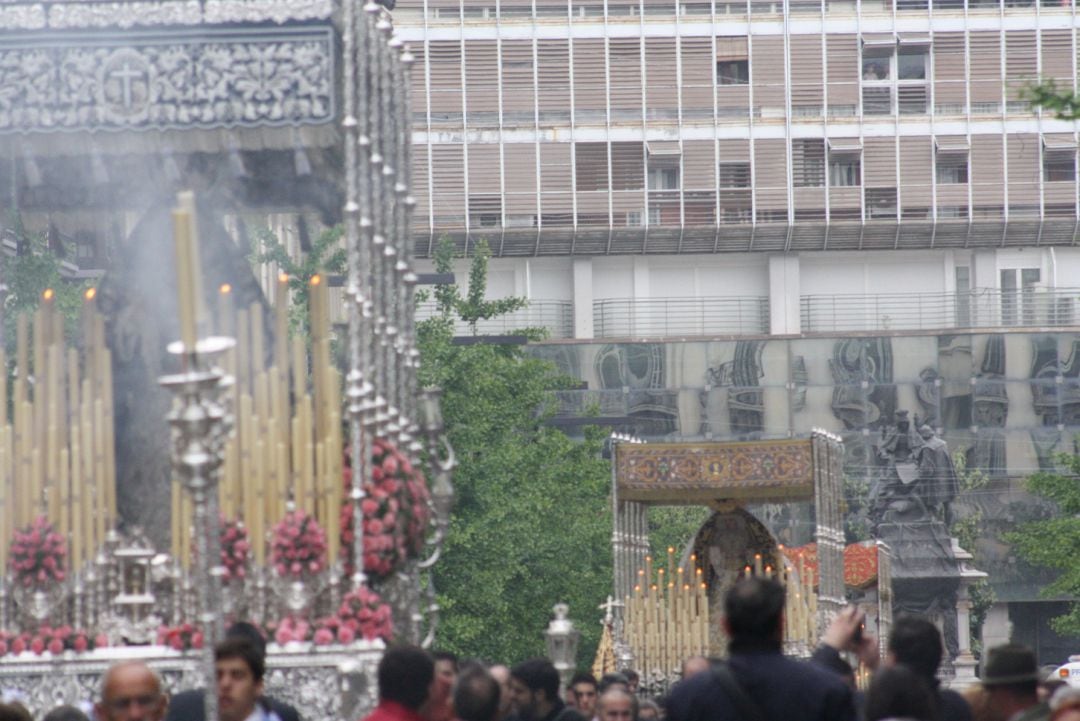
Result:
pixel 538 674
pixel 900 692
pixel 65 713
pixel 476 695
pixel 916 643
pixel 753 608
pixel 14 712
pixel 405 673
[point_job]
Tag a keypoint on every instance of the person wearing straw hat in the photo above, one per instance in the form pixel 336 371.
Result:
pixel 1010 676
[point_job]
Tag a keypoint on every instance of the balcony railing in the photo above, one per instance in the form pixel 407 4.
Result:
pixel 557 316
pixel 630 317
pixel 978 308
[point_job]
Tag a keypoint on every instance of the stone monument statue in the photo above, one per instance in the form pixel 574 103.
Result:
pixel 917 479
pixel 910 509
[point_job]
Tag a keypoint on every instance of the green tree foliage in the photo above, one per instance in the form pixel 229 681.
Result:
pixel 1062 102
pixel 674 527
pixel 1055 542
pixel 968 529
pixel 531 525
pixel 326 256
pixel 471 307
pixel 33 269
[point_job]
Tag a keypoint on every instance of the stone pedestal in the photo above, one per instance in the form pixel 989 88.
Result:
pixel 964 663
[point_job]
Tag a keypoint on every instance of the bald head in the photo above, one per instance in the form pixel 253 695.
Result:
pixel 616 704
pixel 131 691
pixel 694 665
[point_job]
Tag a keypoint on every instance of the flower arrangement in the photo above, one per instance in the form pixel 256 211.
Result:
pixel 362 614
pixel 289 629
pixel 235 548
pixel 51 640
pixel 38 553
pixel 396 512
pixel 181 638
pixel 299 545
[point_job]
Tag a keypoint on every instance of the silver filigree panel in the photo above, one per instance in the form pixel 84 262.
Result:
pixel 211 79
pixel 65 15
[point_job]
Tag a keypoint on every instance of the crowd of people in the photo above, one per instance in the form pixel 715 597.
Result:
pixel 755 682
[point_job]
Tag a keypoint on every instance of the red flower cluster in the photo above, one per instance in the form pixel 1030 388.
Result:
pixel 235 549
pixel 363 614
pixel 38 553
pixel 299 545
pixel 181 638
pixel 290 628
pixel 396 512
pixel 54 640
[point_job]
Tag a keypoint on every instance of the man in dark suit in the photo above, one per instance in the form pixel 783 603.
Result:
pixel 757 681
pixel 190 706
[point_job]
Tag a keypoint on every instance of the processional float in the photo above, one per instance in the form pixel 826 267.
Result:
pixel 305 514
pixel 666 610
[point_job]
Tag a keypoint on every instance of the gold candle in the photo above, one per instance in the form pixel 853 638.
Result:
pixel 184 241
pixel 225 310
pixel 281 323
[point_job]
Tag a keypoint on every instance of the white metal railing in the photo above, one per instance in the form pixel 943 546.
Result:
pixel 632 317
pixel 977 308
pixel 557 316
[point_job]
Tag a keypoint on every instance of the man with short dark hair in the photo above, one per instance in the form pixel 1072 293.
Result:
pixel 405 676
pixel 476 695
pixel 757 680
pixel 583 693
pixel 190 706
pixel 1011 679
pixel 916 643
pixel 240 668
pixel 534 691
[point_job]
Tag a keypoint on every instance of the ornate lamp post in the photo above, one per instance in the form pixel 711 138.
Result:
pixel 562 643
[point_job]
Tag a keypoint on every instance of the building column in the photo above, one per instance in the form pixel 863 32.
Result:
pixel 784 294
pixel 583 298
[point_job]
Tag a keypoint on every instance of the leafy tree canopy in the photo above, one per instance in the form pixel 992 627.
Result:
pixel 531 525
pixel 1055 542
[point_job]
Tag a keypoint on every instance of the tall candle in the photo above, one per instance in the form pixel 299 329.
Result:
pixel 225 310
pixel 186 200
pixel 184 241
pixel 281 323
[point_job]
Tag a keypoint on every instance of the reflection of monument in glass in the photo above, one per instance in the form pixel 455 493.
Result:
pixel 1002 403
